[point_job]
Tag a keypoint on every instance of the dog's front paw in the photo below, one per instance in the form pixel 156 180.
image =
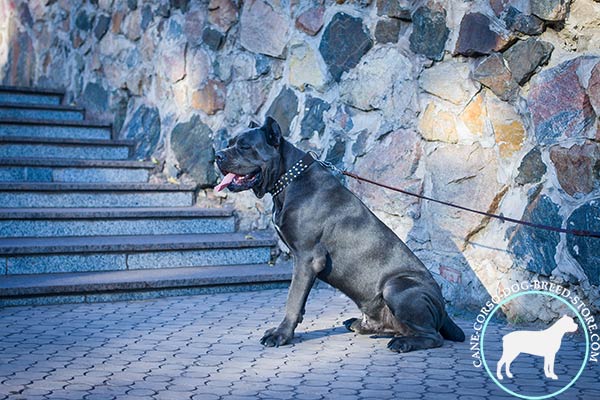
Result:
pixel 275 337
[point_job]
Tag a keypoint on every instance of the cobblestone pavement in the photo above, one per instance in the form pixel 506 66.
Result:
pixel 206 347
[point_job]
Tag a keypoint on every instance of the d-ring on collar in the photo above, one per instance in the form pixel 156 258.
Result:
pixel 291 174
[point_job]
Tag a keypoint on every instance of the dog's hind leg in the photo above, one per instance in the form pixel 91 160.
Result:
pixel 415 308
pixel 506 359
pixel 367 326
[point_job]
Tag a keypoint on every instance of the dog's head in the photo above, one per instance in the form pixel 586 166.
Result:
pixel 252 160
pixel 568 324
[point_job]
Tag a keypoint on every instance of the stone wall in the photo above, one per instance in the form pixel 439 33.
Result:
pixel 490 104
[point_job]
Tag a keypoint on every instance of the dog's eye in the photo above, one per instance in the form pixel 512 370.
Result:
pixel 243 146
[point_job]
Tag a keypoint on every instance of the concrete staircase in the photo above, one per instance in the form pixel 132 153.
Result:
pixel 79 221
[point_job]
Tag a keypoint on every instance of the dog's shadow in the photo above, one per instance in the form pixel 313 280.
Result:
pixel 319 334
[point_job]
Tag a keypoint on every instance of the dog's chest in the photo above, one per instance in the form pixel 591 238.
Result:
pixel 277 222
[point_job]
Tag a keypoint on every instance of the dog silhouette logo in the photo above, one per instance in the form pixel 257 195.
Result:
pixel 543 343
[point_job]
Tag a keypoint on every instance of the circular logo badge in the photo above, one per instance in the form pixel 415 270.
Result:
pixel 535 364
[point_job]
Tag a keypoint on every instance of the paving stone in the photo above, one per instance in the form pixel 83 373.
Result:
pixel 141 392
pixel 331 365
pixel 205 396
pixel 308 396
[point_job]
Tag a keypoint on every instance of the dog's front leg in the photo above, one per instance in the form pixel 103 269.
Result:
pixel 302 281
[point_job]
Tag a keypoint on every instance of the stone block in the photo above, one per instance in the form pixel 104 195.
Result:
pixel 593 89
pixel 392 92
pixel 474 115
pixel 381 163
pixel 102 24
pixel 306 68
pixel 451 171
pixel 429 33
pixel 263 28
pixel 438 125
pixel 400 9
pixel 577 167
pixel 532 168
pixel 284 109
pixel 213 38
pixel 449 81
pixel 479 36
pixel 388 30
pixel 222 13
pixel 569 115
pixel 525 56
pixel 535 249
pixel 144 128
pixel 524 23
pixel 493 72
pixel 192 145
pixel 550 10
pixel 507 124
pixel 311 20
pixel 585 250
pixel 313 117
pixel 210 98
pixel 343 44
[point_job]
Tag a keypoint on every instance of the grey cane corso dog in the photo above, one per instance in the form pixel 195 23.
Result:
pixel 333 236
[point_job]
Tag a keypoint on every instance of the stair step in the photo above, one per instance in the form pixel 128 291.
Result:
pixel 139 284
pixel 73 170
pixel 82 282
pixel 74 195
pixel 25 95
pixel 58 222
pixel 55 129
pixel 120 253
pixel 17 147
pixel 17 111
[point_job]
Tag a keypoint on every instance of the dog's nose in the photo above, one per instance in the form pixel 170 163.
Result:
pixel 219 156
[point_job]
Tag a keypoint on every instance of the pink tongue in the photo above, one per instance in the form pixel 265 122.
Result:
pixel 225 182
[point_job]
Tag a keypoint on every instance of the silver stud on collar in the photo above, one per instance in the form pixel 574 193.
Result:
pixel 289 176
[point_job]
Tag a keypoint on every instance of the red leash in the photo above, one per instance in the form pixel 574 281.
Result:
pixel 490 215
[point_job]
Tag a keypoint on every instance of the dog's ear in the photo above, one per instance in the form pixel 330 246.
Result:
pixel 273 132
pixel 253 125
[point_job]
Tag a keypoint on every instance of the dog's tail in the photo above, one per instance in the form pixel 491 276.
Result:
pixel 451 331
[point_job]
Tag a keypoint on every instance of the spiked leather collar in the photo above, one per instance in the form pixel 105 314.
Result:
pixel 291 174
